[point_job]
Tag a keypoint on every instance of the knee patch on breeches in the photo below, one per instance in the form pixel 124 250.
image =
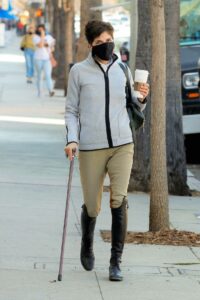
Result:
pixel 92 212
pixel 118 201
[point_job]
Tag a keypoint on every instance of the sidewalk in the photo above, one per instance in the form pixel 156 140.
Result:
pixel 33 180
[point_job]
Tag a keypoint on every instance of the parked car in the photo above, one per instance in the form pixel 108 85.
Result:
pixel 190 73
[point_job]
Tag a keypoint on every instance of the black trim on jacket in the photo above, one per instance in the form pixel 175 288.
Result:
pixel 107 100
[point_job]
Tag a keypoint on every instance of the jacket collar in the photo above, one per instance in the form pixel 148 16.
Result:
pixel 92 61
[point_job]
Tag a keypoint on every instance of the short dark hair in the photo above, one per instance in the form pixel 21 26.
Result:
pixel 95 28
pixel 41 26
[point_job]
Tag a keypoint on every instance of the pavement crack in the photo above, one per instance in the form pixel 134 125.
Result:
pixel 194 253
pixel 37 184
pixel 180 272
pixel 32 184
pixel 78 228
pixel 100 290
pixel 76 214
pixel 169 272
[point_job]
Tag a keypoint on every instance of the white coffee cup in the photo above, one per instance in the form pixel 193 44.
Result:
pixel 141 76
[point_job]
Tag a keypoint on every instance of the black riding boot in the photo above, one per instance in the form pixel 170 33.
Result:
pixel 119 227
pixel 87 226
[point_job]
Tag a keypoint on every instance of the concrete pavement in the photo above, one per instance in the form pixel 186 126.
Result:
pixel 33 180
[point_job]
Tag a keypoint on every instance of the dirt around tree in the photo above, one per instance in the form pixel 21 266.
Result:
pixel 169 237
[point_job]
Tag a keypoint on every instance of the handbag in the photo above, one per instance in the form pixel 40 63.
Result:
pixel 53 61
pixel 135 114
pixel 23 43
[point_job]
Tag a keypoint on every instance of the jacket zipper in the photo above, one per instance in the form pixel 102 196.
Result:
pixel 107 110
pixel 107 106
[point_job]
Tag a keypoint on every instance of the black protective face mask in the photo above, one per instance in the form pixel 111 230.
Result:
pixel 38 32
pixel 103 51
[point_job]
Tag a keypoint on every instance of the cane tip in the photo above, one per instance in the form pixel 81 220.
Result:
pixel 59 277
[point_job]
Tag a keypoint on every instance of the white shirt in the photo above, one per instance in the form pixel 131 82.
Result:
pixel 44 52
pixel 105 66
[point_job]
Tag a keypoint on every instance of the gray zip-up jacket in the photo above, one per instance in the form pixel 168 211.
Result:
pixel 96 115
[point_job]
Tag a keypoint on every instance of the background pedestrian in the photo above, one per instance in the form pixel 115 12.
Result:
pixel 44 44
pixel 27 45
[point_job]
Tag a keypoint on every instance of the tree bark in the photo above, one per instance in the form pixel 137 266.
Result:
pixel 134 33
pixel 176 163
pixel 140 174
pixel 159 211
pixel 65 42
pixel 70 41
pixel 49 14
pixel 55 33
pixel 86 15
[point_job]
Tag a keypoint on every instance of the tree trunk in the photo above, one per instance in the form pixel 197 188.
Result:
pixel 55 33
pixel 176 164
pixel 65 42
pixel 176 160
pixel 159 211
pixel 60 53
pixel 134 33
pixel 70 42
pixel 140 174
pixel 55 25
pixel 49 14
pixel 86 15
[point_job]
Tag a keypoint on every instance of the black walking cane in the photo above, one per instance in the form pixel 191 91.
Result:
pixel 71 168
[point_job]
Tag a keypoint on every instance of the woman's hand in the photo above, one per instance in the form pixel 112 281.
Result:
pixel 144 90
pixel 42 33
pixel 71 150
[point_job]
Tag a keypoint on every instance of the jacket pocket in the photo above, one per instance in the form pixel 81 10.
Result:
pixel 92 130
pixel 124 124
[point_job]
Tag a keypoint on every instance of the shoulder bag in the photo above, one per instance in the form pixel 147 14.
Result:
pixel 136 116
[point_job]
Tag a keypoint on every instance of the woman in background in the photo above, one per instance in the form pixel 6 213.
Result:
pixel 44 44
pixel 28 47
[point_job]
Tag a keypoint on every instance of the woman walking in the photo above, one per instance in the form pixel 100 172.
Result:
pixel 44 44
pixel 28 47
pixel 97 123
